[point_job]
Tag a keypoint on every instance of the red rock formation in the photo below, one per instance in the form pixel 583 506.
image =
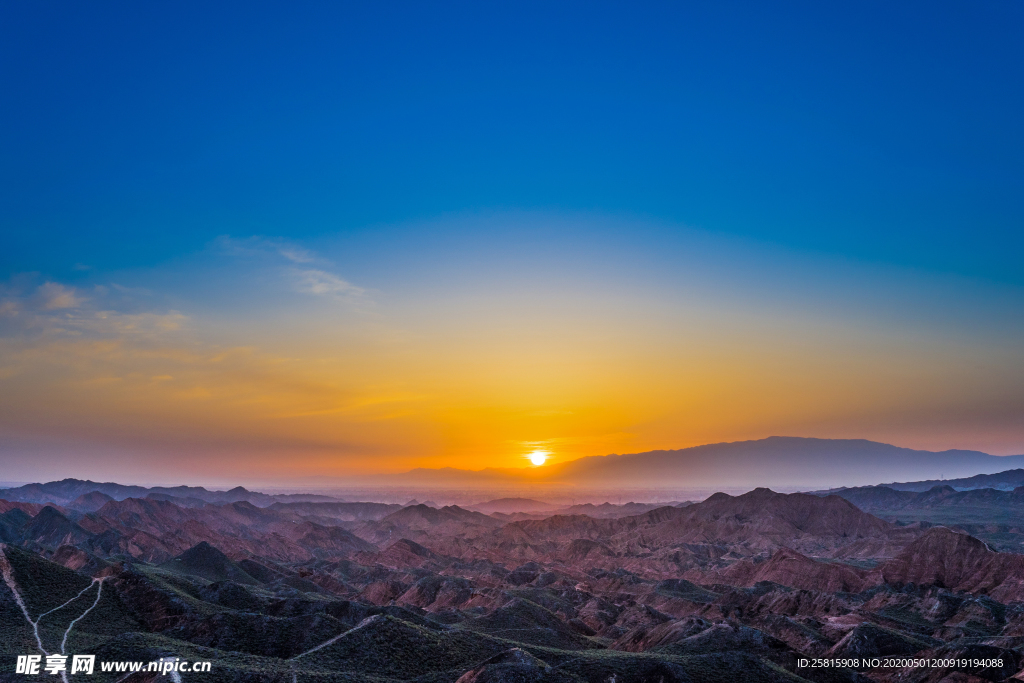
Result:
pixel 954 560
pixel 402 554
pixel 31 509
pixel 789 568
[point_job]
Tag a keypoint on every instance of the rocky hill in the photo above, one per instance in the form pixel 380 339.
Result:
pixel 731 588
pixel 994 515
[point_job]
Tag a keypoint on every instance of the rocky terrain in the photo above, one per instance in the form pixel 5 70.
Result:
pixel 990 507
pixel 732 588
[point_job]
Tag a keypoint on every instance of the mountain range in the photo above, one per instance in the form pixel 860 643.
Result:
pixel 517 590
pixel 67 490
pixel 731 588
pixel 783 463
pixel 788 463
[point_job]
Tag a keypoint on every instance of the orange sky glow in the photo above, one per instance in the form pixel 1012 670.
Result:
pixel 471 377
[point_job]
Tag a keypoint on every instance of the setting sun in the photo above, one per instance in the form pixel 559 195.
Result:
pixel 538 458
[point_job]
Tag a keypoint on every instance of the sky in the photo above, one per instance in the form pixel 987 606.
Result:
pixel 268 242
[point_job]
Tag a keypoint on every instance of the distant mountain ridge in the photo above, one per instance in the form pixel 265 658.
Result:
pixel 67 491
pixel 1001 481
pixel 777 461
pixel 988 506
pixel 782 461
pixel 793 463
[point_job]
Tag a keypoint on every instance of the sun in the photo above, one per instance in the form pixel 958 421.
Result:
pixel 538 458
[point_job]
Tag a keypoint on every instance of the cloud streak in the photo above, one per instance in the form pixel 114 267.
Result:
pixel 322 283
pixel 318 281
pixel 56 296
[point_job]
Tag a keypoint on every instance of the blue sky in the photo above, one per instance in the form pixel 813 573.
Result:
pixel 884 132
pixel 334 237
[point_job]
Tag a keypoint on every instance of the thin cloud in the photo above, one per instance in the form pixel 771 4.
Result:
pixel 253 246
pixel 296 255
pixel 54 309
pixel 112 322
pixel 131 291
pixel 56 296
pixel 322 283
pixel 318 282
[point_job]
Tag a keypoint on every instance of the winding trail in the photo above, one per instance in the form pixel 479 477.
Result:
pixel 68 602
pixel 99 593
pixel 8 575
pixel 362 624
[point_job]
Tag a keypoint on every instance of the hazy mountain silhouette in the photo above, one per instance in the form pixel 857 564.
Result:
pixel 777 461
pixel 781 461
pixel 509 505
pixel 1004 481
pixel 68 491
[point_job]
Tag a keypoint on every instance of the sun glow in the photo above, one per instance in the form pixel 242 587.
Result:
pixel 538 458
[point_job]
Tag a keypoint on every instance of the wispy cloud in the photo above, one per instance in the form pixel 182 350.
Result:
pixel 53 310
pixel 317 281
pixel 56 296
pixel 295 254
pixel 322 283
pixel 137 323
pixel 130 291
pixel 256 245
